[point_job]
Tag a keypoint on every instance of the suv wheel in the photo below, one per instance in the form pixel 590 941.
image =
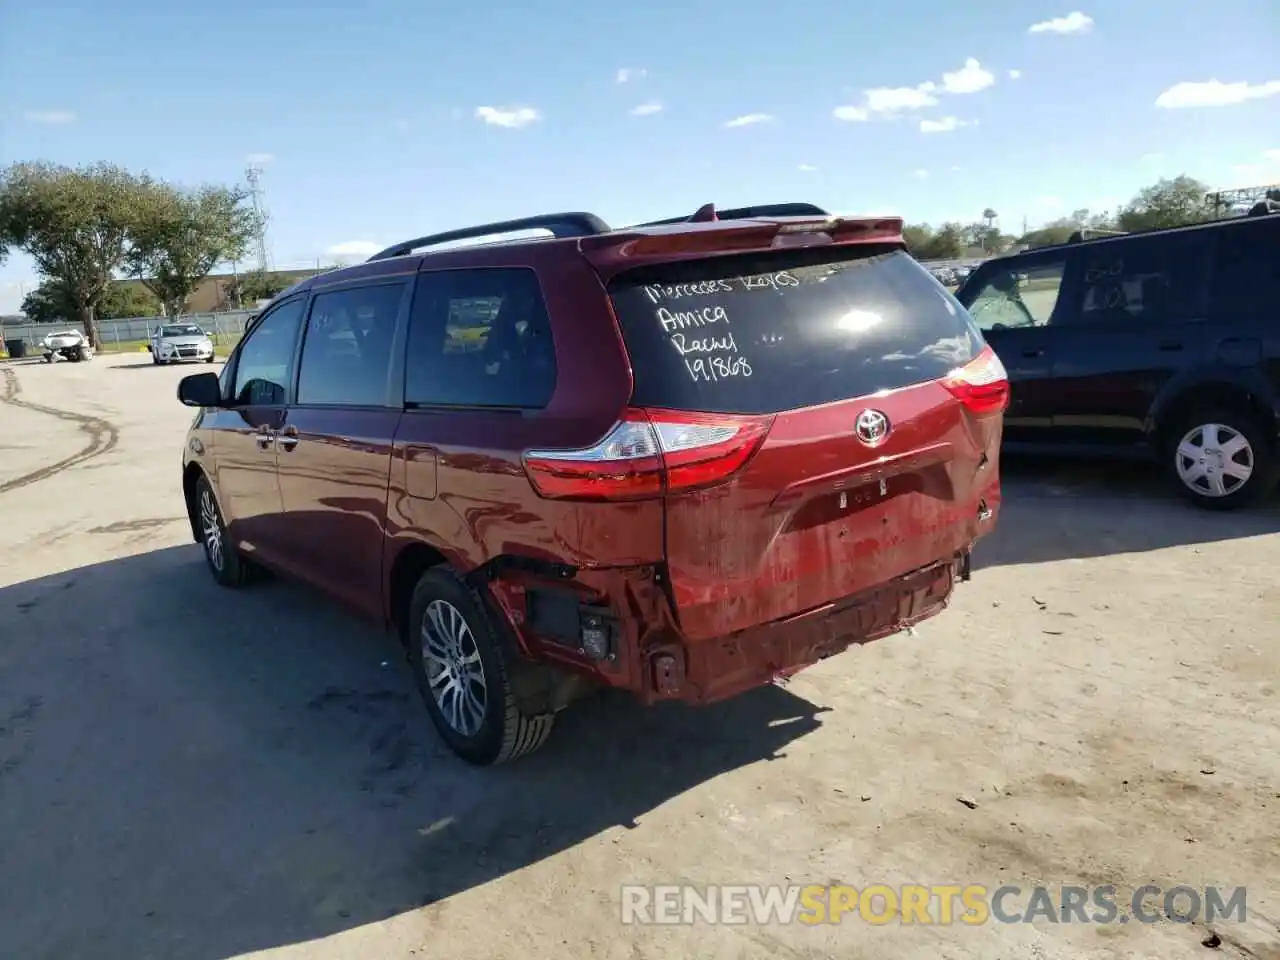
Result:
pixel 457 656
pixel 1221 460
pixel 224 561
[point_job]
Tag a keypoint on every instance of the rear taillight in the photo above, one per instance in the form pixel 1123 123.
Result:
pixel 981 385
pixel 649 453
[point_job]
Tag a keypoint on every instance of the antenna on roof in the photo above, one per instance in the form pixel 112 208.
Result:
pixel 704 214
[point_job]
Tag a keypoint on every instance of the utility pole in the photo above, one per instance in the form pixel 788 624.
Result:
pixel 254 175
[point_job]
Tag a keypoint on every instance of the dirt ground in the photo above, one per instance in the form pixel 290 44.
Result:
pixel 192 773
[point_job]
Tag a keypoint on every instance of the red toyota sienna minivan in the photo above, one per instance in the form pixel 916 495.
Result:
pixel 685 458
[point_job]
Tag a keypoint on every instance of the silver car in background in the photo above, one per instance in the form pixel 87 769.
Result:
pixel 173 342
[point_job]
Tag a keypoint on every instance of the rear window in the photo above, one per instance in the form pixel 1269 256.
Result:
pixel 763 333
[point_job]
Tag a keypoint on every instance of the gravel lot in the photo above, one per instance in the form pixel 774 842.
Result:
pixel 191 773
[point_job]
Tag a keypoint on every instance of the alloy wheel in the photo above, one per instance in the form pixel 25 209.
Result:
pixel 455 672
pixel 211 526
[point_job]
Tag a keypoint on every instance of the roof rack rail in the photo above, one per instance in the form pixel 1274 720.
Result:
pixel 1090 233
pixel 744 213
pixel 560 224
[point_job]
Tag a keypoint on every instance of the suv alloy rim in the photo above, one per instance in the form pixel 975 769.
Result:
pixel 212 529
pixel 1214 460
pixel 455 674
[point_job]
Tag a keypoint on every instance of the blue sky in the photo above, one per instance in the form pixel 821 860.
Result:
pixel 378 122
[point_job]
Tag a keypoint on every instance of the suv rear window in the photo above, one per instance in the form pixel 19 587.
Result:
pixel 768 332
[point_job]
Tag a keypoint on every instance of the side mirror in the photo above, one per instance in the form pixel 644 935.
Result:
pixel 200 390
pixel 149 350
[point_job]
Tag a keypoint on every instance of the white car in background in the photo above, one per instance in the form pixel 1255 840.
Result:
pixel 68 344
pixel 180 341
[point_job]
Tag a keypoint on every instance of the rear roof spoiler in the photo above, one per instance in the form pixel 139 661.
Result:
pixel 709 212
pixel 579 224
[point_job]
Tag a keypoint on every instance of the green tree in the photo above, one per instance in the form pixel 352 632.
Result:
pixel 180 236
pixel 925 243
pixel 917 236
pixel 946 244
pixel 248 288
pixel 1167 203
pixel 125 300
pixel 49 303
pixel 75 223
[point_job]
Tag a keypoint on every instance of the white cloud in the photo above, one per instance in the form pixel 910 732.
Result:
pixel 968 79
pixel 51 116
pixel 647 109
pixel 807 168
pixel 353 248
pixel 851 114
pixel 1015 74
pixel 1074 22
pixel 944 125
pixel 894 99
pixel 920 174
pixel 510 117
pixel 749 119
pixel 888 103
pixel 259 158
pixel 1215 93
pixel 629 74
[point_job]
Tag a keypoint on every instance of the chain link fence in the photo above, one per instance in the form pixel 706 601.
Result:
pixel 224 328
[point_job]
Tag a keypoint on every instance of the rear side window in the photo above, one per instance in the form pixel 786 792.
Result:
pixel 1144 280
pixel 480 338
pixel 1246 271
pixel 346 352
pixel 764 333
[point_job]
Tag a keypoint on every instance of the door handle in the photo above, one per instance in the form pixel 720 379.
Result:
pixel 1033 353
pixel 288 439
pixel 264 437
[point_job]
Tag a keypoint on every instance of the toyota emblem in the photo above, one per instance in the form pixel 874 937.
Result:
pixel 871 427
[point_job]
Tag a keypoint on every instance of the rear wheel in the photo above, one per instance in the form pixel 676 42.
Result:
pixel 225 563
pixel 464 675
pixel 1220 459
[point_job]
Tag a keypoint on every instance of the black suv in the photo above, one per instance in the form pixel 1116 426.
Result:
pixel 1163 344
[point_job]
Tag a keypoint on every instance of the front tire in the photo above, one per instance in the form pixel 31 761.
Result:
pixel 1220 459
pixel 225 563
pixel 463 673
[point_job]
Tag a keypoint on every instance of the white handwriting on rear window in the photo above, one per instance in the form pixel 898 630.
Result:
pixel 673 320
pixel 717 368
pixel 688 345
pixel 770 281
pixel 674 291
pixel 657 292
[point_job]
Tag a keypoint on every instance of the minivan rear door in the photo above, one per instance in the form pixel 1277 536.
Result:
pixel 820 346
